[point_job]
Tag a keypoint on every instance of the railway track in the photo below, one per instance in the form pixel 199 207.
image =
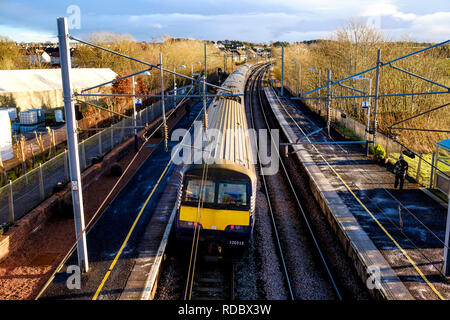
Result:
pixel 257 107
pixel 214 280
pixel 294 269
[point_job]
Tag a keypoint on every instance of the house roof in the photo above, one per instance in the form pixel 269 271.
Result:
pixel 50 79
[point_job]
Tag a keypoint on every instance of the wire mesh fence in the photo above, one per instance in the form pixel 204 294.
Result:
pixel 23 194
pixel 420 167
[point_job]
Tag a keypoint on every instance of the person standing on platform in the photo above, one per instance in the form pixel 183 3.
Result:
pixel 400 169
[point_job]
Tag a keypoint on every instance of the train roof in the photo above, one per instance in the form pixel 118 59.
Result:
pixel 231 147
pixel 228 130
pixel 229 118
pixel 236 81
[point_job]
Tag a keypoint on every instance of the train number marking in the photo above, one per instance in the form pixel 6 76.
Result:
pixel 236 243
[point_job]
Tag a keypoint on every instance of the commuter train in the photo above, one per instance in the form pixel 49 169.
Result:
pixel 218 195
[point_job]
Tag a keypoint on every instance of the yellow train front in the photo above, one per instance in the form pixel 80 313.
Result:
pixel 221 205
pixel 218 195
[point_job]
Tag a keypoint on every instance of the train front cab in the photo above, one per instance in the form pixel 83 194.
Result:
pixel 226 219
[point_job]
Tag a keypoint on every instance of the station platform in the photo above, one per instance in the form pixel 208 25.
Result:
pixel 394 238
pixel 141 283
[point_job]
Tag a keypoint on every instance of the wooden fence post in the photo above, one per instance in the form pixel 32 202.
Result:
pixel 100 151
pixel 11 203
pixel 66 165
pixel 41 183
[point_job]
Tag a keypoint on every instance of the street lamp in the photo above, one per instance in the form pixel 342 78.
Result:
pixel 366 104
pixel 145 73
pixel 192 69
pixel 299 77
pixel 315 69
pixel 175 84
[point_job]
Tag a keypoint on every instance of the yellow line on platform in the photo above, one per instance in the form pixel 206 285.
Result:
pixel 373 217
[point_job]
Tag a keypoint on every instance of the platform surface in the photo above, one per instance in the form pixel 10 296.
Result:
pixel 399 232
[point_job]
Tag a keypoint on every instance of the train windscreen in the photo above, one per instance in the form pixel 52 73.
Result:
pixel 232 194
pixel 193 190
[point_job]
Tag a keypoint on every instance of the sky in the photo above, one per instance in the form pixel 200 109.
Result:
pixel 245 20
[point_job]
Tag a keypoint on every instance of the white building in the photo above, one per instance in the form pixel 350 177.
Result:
pixel 39 58
pixel 34 88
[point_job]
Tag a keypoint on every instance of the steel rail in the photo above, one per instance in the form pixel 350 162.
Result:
pixel 264 182
pixel 311 232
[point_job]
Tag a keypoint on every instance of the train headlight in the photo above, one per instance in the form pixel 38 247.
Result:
pixel 236 228
pixel 188 224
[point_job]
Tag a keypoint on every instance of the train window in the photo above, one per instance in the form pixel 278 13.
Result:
pixel 193 191
pixel 232 193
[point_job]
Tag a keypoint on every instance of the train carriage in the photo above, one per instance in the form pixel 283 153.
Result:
pixel 218 195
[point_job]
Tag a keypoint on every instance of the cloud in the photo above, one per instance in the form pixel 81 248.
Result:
pixel 425 27
pixel 432 26
pixel 387 9
pixel 251 20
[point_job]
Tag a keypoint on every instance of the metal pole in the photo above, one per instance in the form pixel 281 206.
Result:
pixel 232 62
pixel 432 171
pixel 446 266
pixel 368 119
pixel 377 84
pixel 162 103
pixel 282 69
pixel 72 142
pixel 205 115
pixel 174 87
pixel 134 116
pixel 319 93
pixel 225 55
pixel 206 74
pixel 328 100
pixel 299 79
